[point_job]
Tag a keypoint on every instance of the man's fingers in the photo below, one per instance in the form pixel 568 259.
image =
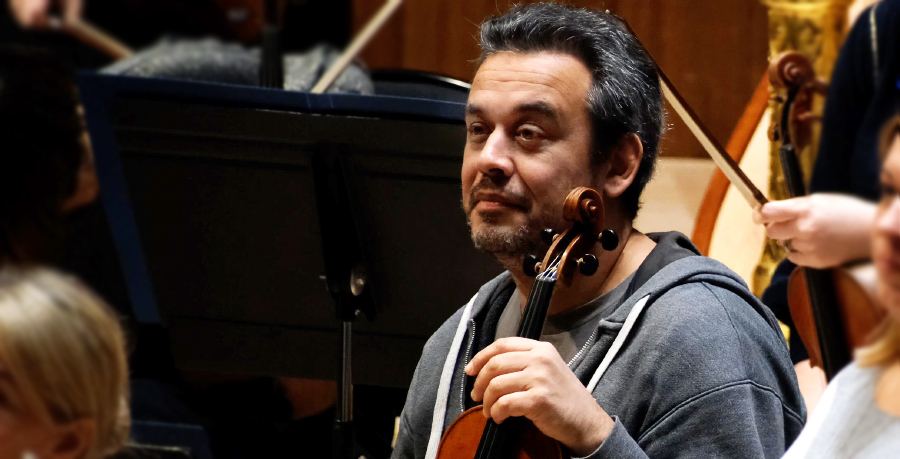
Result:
pixel 500 346
pixel 502 364
pixel 501 386
pixel 512 405
pixel 780 211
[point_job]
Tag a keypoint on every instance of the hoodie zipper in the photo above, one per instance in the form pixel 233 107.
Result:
pixel 462 390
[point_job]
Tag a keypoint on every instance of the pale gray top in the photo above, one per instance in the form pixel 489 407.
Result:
pixel 847 423
pixel 570 331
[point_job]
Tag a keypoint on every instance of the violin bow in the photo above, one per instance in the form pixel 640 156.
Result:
pixel 726 163
pixel 358 43
pixel 92 36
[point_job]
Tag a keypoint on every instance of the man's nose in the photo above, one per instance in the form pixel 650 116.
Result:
pixel 496 157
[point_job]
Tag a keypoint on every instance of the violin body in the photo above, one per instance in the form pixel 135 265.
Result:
pixel 853 294
pixel 530 443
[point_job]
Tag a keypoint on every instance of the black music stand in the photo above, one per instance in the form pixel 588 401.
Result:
pixel 230 205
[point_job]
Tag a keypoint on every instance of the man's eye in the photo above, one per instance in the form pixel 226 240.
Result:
pixel 528 134
pixel 888 191
pixel 475 130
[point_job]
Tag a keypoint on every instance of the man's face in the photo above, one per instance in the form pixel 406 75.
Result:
pixel 528 144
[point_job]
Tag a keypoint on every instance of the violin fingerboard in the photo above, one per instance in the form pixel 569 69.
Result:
pixel 536 309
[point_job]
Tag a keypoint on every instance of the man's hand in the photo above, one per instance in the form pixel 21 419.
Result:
pixel 822 230
pixel 523 377
pixel 34 14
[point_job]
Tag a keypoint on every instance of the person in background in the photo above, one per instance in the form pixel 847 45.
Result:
pixel 48 168
pixel 859 413
pixel 140 23
pixel 830 227
pixel 63 373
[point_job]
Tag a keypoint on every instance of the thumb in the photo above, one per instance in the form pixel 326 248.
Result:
pixel 780 211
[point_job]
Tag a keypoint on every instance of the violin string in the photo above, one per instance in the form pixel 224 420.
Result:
pixel 546 276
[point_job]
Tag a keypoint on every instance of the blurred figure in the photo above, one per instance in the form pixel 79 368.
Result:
pixel 48 167
pixel 63 376
pixel 831 227
pixel 35 13
pixel 139 23
pixel 859 413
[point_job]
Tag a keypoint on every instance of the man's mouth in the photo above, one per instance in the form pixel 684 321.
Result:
pixel 495 201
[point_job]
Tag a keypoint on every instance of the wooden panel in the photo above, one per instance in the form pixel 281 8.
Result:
pixel 713 51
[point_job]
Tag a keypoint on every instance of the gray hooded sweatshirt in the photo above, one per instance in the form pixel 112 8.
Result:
pixel 700 367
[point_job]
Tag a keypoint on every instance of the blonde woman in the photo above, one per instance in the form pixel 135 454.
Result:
pixel 859 413
pixel 63 373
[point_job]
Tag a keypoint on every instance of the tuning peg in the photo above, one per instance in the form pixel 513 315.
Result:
pixel 548 235
pixel 530 265
pixel 588 265
pixel 609 240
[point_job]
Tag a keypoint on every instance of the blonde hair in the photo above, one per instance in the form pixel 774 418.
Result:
pixel 885 347
pixel 65 352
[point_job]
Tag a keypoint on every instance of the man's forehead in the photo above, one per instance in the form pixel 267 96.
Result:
pixel 548 78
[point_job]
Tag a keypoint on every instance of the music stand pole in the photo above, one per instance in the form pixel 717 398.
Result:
pixel 271 62
pixel 345 273
pixel 343 436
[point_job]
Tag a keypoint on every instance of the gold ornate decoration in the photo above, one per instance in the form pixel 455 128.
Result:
pixel 814 28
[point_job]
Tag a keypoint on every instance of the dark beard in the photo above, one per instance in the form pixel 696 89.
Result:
pixel 504 242
pixel 498 241
pixel 512 243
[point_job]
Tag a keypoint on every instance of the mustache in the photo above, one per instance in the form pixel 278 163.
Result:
pixel 487 186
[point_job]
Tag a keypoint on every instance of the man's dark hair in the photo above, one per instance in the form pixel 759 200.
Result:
pixel 40 131
pixel 624 96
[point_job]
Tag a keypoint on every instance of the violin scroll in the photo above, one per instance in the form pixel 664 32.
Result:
pixel 570 251
pixel 794 73
pixel 789 70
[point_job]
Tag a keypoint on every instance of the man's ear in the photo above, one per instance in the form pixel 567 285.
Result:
pixel 622 165
pixel 73 439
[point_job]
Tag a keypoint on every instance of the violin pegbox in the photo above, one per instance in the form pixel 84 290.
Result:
pixel 569 251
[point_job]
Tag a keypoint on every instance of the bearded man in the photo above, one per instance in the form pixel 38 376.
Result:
pixel 562 98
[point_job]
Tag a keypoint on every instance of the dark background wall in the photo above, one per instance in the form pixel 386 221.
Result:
pixel 714 51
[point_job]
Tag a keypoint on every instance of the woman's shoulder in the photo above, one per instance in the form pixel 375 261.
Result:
pixel 846 418
pixel 851 394
pixel 856 381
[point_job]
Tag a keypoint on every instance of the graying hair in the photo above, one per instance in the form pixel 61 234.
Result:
pixel 624 96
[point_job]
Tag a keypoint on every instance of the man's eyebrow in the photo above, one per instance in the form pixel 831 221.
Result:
pixel 540 108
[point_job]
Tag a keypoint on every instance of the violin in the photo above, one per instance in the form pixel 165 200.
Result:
pixel 472 435
pixel 833 309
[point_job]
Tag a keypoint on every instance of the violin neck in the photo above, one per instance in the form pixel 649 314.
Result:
pixel 536 309
pixel 793 173
pixel 496 439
